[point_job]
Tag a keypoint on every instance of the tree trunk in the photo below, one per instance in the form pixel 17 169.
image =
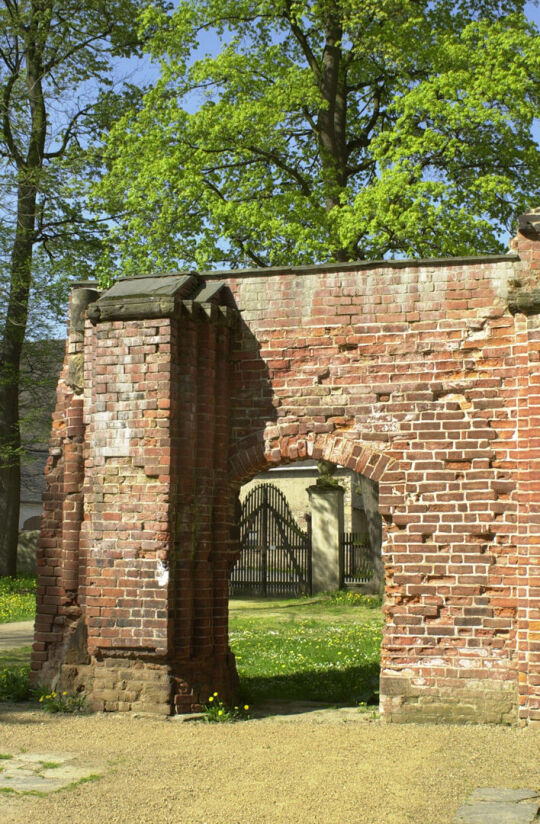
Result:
pixel 10 360
pixel 29 163
pixel 332 122
pixel 10 482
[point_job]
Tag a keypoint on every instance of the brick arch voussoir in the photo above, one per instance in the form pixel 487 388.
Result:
pixel 276 445
pixel 367 459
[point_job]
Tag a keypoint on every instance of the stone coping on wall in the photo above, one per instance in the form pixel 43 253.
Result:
pixel 314 268
pixel 350 266
pixel 158 296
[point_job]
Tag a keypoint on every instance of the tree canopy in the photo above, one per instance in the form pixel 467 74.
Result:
pixel 326 130
pixel 56 97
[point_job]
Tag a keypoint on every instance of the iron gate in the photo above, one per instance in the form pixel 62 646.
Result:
pixel 357 561
pixel 275 557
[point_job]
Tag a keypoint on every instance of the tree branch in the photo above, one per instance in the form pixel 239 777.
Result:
pixel 362 140
pixel 83 44
pixel 280 163
pixel 67 134
pixel 6 121
pixel 239 242
pixel 303 42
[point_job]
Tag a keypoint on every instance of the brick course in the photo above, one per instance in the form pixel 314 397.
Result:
pixel 415 375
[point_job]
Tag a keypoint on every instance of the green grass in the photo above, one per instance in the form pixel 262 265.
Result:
pixel 17 599
pixel 324 648
pixel 320 648
pixel 17 603
pixel 14 674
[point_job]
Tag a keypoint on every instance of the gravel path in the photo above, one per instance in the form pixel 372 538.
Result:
pixel 17 634
pixel 321 768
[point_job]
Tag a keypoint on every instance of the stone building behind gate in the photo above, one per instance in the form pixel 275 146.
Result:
pixel 420 375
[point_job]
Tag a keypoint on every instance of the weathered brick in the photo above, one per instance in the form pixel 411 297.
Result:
pixel 415 375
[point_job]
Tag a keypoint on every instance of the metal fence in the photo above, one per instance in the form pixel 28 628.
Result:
pixel 357 563
pixel 275 559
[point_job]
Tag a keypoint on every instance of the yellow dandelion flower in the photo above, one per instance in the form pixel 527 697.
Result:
pixel 215 695
pixel 211 698
pixel 246 706
pixel 220 712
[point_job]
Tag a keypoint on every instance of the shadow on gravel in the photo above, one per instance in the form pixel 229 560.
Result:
pixel 21 712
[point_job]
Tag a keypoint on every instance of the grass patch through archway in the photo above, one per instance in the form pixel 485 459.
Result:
pixel 323 648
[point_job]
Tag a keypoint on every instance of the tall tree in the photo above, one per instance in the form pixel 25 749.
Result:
pixel 327 129
pixel 55 62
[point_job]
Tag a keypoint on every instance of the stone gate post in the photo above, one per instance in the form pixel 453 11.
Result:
pixel 326 501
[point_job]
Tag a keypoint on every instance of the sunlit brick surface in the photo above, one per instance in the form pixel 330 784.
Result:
pixel 415 375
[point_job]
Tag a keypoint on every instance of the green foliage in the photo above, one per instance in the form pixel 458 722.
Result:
pixel 355 599
pixel 326 130
pixel 70 47
pixel 15 684
pixel 15 675
pixel 58 96
pixel 216 711
pixel 53 702
pixel 17 598
pixel 321 649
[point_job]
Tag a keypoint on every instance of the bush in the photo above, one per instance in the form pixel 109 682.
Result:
pixel 15 684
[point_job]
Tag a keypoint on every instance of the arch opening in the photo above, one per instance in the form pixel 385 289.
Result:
pixel 293 643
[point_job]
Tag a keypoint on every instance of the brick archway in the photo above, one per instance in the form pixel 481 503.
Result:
pixel 420 375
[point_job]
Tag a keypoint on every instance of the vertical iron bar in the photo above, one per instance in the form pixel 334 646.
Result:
pixel 309 558
pixel 265 537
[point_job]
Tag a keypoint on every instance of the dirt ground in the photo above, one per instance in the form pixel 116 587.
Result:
pixel 316 767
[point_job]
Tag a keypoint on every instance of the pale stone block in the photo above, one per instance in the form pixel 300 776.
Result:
pixel 327 528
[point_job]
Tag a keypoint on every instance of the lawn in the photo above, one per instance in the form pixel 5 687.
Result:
pixel 323 648
pixel 320 648
pixel 17 599
pixel 14 674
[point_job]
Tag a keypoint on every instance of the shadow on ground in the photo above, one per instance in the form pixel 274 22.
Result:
pixel 352 685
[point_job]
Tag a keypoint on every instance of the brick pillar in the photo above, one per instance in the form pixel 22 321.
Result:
pixel 525 302
pixel 155 544
pixel 202 663
pixel 127 506
pixel 58 559
pixel 529 571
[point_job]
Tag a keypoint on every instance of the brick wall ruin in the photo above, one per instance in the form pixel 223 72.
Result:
pixel 422 376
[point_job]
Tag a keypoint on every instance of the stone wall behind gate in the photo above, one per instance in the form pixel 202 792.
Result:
pixel 416 375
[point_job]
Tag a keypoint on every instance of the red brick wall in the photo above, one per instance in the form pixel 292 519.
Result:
pixel 405 374
pixel 128 473
pixel 415 375
pixel 58 609
pixel 527 460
